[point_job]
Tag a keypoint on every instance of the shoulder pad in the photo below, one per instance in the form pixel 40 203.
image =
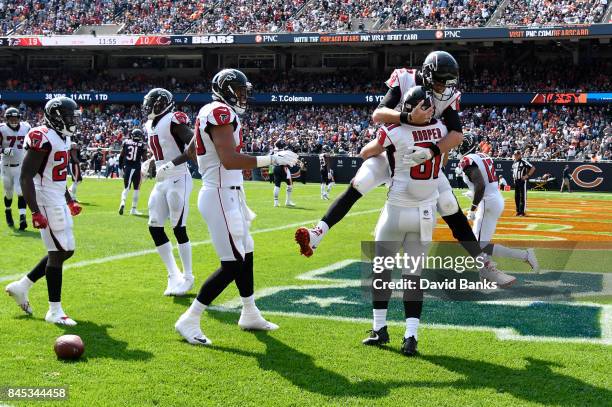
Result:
pixel 180 118
pixel 220 115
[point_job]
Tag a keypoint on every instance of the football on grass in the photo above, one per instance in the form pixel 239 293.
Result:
pixel 69 347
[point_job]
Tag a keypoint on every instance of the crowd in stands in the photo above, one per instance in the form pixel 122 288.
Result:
pixel 248 16
pixel 428 14
pixel 45 17
pixel 549 12
pixel 582 133
pixel 160 16
pixel 21 17
pixel 549 76
pixel 344 15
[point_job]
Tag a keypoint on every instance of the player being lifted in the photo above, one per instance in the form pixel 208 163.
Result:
pixel 132 154
pixel 168 134
pixel 221 201
pixel 43 181
pixel 327 175
pixel 408 218
pixel 478 171
pixel 12 136
pixel 439 75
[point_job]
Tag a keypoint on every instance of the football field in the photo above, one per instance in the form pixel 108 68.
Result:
pixel 471 353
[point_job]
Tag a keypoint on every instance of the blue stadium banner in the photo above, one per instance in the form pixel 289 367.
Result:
pixel 311 98
pixel 408 36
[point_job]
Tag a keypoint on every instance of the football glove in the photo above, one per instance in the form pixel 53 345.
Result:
pixel 458 171
pixel 75 208
pixel 39 221
pixel 284 157
pixel 471 215
pixel 163 170
pixel 417 155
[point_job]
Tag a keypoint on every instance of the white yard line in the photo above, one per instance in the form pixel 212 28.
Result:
pixel 138 253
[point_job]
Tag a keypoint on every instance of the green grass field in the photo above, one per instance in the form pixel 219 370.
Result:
pixel 473 354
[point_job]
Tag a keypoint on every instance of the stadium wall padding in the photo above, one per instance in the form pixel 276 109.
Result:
pixel 585 176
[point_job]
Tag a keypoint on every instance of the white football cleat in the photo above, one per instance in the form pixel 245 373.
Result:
pixel 276 204
pixel 308 239
pixel 135 211
pixel 289 203
pixel 253 321
pixel 185 286
pixel 59 318
pixel 189 328
pixel 532 260
pixel 20 295
pixel 175 281
pixel 490 273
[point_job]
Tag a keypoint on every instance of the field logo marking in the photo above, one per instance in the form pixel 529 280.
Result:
pixel 334 292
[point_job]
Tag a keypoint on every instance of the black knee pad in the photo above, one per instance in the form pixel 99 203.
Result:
pixel 180 232
pixel 7 202
pixel 21 203
pixel 158 235
pixel 232 267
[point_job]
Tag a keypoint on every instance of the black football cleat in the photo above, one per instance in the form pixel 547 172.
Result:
pixel 23 224
pixel 409 346
pixel 121 209
pixel 9 218
pixel 377 338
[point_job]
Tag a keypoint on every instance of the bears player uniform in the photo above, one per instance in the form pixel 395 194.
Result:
pixel 282 173
pixel 222 203
pixel 168 134
pixel 12 136
pixel 478 171
pixel 43 180
pixel 132 154
pixel 327 175
pixel 407 220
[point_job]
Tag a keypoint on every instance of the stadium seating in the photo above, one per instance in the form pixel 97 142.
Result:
pixel 242 16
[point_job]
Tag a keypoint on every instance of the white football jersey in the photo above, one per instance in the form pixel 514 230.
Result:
pixel 50 180
pixel 164 146
pixel 406 79
pixel 412 186
pixel 14 140
pixel 212 171
pixel 486 166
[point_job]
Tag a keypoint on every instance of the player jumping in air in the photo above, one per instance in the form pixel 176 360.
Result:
pixel 439 75
pixel 12 136
pixel 222 203
pixel 43 181
pixel 132 155
pixel 168 134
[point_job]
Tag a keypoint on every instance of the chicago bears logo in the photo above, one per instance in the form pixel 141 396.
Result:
pixel 576 176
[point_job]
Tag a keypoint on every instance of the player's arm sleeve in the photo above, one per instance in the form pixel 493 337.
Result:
pixel 452 120
pixel 474 175
pixel 37 141
pixel 122 155
pixel 391 98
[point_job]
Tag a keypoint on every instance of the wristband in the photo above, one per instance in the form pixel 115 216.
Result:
pixel 474 207
pixel 263 160
pixel 435 150
pixel 404 118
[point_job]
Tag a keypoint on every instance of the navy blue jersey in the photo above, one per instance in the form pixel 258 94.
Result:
pixel 132 152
